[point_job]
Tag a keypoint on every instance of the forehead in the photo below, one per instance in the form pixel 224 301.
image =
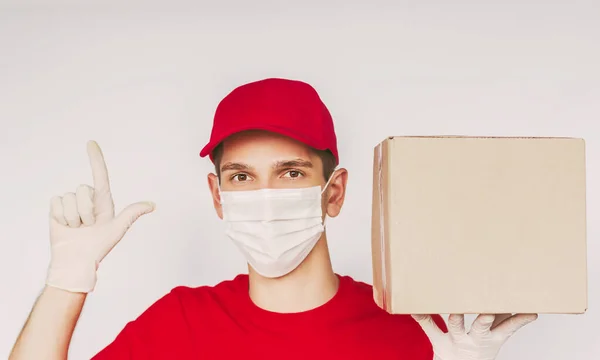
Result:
pixel 256 147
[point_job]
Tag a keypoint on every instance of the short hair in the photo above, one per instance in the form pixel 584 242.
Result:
pixel 327 159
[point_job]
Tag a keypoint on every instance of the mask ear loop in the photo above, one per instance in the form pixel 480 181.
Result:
pixel 325 188
pixel 220 191
pixel 328 181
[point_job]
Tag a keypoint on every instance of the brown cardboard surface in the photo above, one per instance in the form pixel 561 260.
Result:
pixel 479 225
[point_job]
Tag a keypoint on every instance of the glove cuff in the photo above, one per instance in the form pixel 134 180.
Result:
pixel 76 278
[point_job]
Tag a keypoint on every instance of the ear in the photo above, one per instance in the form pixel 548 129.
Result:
pixel 336 192
pixel 213 185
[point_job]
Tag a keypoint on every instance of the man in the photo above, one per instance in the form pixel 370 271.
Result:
pixel 274 148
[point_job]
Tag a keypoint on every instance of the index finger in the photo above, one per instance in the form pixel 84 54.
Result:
pixel 99 171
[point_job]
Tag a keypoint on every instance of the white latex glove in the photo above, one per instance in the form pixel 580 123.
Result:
pixel 482 342
pixel 83 229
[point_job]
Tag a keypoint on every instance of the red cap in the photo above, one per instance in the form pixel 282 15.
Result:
pixel 288 107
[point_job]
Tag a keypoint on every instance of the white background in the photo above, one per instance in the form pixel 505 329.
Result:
pixel 144 81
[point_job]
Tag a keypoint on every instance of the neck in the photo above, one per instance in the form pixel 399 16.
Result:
pixel 309 286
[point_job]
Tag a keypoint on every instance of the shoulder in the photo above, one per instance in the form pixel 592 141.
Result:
pixel 364 291
pixel 232 286
pixel 185 299
pixel 163 329
pixel 395 335
pixel 221 291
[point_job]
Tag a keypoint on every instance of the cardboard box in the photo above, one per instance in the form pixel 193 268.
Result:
pixel 479 225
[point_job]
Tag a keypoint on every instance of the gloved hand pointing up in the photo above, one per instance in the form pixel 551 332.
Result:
pixel 83 228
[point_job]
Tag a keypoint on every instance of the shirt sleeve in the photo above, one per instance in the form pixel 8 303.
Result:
pixel 154 334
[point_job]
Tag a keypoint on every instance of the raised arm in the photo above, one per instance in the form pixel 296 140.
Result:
pixel 83 230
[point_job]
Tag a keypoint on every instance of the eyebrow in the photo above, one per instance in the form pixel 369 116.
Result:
pixel 231 166
pixel 296 163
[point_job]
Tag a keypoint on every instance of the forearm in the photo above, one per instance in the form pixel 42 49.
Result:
pixel 48 330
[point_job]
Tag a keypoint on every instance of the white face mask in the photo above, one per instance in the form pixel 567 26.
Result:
pixel 275 229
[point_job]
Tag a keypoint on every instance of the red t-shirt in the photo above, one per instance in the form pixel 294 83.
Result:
pixel 222 322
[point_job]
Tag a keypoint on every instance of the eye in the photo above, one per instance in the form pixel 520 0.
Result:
pixel 241 177
pixel 293 174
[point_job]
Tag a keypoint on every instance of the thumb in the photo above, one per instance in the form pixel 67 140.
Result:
pixel 130 214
